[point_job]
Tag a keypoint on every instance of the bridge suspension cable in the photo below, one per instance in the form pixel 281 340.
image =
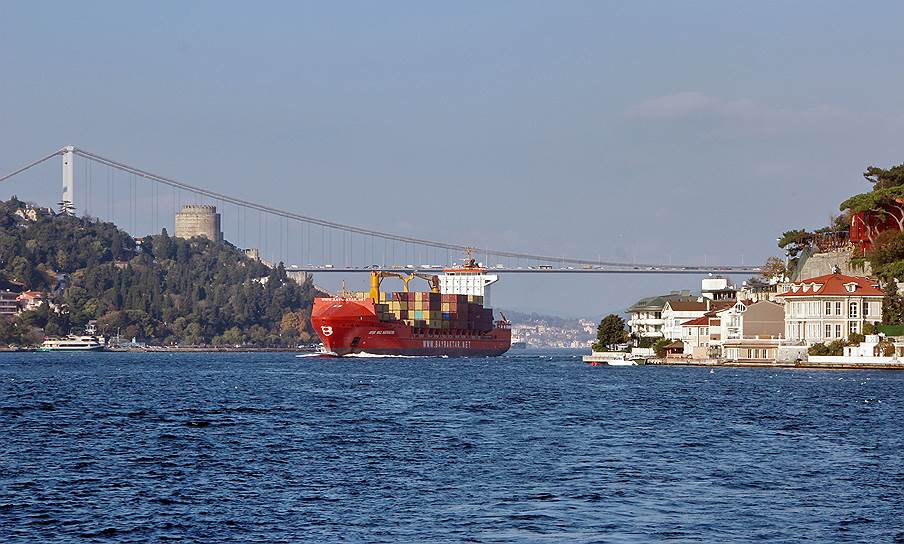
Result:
pixel 31 165
pixel 351 229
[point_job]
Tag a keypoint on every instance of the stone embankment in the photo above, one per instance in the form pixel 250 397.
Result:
pixel 825 363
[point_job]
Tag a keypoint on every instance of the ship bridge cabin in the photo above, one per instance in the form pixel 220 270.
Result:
pixel 467 280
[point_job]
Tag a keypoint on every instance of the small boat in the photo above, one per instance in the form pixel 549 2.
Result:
pixel 610 358
pixel 72 343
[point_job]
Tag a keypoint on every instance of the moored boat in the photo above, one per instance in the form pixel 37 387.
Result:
pixel 72 343
pixel 611 358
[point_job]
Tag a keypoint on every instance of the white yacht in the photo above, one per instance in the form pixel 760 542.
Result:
pixel 611 358
pixel 72 343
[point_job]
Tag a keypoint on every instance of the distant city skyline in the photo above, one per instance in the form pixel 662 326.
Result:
pixel 633 131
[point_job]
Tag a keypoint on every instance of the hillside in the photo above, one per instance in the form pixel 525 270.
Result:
pixel 871 226
pixel 550 331
pixel 159 288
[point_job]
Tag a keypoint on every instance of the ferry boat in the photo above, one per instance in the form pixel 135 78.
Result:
pixel 451 320
pixel 72 343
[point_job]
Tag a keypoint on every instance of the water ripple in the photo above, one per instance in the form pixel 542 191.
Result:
pixel 531 447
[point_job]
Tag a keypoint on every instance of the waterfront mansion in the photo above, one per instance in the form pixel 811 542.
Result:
pixel 830 307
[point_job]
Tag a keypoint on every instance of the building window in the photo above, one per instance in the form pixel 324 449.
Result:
pixel 854 309
pixel 828 331
pixel 837 331
pixel 855 326
pixel 838 308
pixel 828 308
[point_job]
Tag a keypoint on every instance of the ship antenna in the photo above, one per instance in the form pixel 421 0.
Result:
pixel 469 258
pixel 344 292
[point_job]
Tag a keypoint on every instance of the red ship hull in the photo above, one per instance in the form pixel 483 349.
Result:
pixel 352 326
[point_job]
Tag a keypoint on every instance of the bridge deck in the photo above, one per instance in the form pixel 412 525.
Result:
pixel 536 270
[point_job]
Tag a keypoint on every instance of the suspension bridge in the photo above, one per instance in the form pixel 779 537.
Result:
pixel 142 202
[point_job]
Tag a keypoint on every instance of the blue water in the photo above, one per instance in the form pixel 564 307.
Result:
pixel 531 447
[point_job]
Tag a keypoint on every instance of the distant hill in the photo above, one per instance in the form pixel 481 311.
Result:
pixel 540 330
pixel 534 317
pixel 157 288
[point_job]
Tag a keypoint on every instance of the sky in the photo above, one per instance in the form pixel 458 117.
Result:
pixel 683 132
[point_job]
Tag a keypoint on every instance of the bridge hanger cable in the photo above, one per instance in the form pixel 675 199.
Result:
pixel 261 208
pixel 331 224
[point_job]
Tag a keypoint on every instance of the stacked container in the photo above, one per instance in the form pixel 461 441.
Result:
pixel 436 311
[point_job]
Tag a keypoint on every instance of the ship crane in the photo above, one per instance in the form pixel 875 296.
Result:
pixel 377 277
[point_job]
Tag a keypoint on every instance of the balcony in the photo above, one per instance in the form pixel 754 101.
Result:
pixel 647 322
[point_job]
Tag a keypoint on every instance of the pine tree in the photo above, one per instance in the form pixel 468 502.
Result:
pixel 611 332
pixel 892 305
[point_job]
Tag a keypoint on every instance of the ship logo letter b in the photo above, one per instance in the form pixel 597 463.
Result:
pixel 327 330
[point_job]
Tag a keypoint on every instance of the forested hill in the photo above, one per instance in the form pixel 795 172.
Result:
pixel 158 288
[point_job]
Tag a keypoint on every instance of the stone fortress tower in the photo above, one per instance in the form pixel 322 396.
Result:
pixel 199 220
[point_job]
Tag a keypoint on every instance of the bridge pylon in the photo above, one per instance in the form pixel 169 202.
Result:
pixel 67 203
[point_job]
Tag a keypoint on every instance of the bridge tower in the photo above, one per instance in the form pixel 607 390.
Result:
pixel 67 203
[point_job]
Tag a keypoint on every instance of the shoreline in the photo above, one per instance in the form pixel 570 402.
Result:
pixel 170 350
pixel 773 364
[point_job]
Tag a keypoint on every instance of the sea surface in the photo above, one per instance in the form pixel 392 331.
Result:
pixel 531 447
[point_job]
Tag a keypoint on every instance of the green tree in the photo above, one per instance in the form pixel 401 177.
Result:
pixel 610 332
pixel 888 249
pixel 885 178
pixel 795 241
pixel 233 337
pixel 184 291
pixel 774 267
pixel 834 349
pixel 659 346
pixel 892 305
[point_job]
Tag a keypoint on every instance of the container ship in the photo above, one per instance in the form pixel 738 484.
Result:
pixel 452 319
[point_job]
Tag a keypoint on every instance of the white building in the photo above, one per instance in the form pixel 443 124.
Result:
pixel 830 307
pixel 718 288
pixel 677 312
pixel 646 314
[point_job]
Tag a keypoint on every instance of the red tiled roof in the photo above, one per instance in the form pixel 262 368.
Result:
pixel 834 285
pixel 698 321
pixel 719 305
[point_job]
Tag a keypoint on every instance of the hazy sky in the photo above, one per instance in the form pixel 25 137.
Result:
pixel 653 131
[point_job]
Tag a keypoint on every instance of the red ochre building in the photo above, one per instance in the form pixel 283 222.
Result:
pixel 867 226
